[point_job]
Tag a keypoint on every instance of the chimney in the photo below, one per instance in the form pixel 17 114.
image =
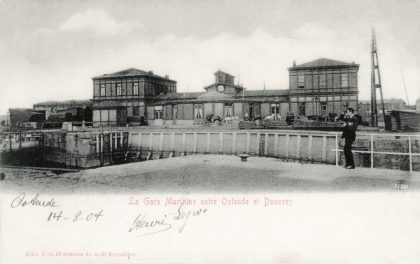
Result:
pixel 150 73
pixel 166 76
pixel 294 63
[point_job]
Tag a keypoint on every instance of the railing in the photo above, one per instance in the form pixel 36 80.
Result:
pixel 410 153
pixel 309 146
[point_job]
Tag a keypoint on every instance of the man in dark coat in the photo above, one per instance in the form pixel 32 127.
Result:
pixel 349 135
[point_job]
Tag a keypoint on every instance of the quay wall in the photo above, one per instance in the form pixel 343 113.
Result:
pixel 89 149
pixel 309 147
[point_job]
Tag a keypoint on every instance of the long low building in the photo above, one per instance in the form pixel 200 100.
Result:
pixel 137 97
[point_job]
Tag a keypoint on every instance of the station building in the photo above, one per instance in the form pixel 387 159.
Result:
pixel 121 98
pixel 322 87
pixel 137 97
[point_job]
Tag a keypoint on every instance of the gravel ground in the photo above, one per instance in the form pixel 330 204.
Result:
pixel 212 173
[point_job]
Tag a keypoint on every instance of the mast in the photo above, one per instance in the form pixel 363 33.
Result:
pixel 375 83
pixel 405 86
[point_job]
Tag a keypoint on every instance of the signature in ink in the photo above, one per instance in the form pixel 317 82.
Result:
pixel 148 226
pixel 145 225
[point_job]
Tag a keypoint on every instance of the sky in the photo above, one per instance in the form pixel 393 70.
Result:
pixel 50 50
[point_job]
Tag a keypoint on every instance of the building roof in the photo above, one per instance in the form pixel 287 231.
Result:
pixel 225 84
pixel 274 92
pixel 64 103
pixel 129 73
pixel 324 63
pixel 214 95
pixel 225 73
pixel 192 95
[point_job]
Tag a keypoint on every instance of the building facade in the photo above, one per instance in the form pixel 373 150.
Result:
pixel 122 97
pixel 322 87
pixel 137 97
pixel 223 99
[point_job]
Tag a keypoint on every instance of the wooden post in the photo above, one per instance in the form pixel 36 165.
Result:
pixel 122 139
pixel 409 154
pixel 233 143
pixel 151 141
pixel 310 147
pixel 371 151
pixel 221 143
pixel 276 138
pixel 336 149
pixel 298 146
pixel 102 149
pixel 139 140
pixel 183 143
pixel 195 143
pixel 110 143
pixel 266 144
pixel 258 143
pixel 248 142
pixel 116 142
pixel 287 145
pixel 208 143
pixel 97 144
pixel 173 142
pixel 324 148
pixel 161 142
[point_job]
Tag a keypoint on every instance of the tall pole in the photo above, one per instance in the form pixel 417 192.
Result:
pixel 375 83
pixel 405 86
pixel 373 109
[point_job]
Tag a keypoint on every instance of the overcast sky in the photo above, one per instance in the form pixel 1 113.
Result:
pixel 50 50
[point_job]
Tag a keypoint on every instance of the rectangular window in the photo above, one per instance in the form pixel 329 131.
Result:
pixel 198 112
pixel 275 108
pixel 174 112
pixel 118 89
pixel 135 88
pixel 158 112
pixel 345 80
pixel 135 111
pixel 301 81
pixel 302 109
pixel 251 111
pixel 323 108
pixel 322 81
pixel 102 90
pixel 228 110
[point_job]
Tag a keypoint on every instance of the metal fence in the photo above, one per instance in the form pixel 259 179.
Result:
pixel 372 152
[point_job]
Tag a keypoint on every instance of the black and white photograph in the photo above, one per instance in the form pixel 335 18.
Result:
pixel 224 131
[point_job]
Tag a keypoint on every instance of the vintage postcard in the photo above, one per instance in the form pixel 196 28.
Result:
pixel 209 131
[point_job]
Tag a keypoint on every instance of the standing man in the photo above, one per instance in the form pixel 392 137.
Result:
pixel 349 135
